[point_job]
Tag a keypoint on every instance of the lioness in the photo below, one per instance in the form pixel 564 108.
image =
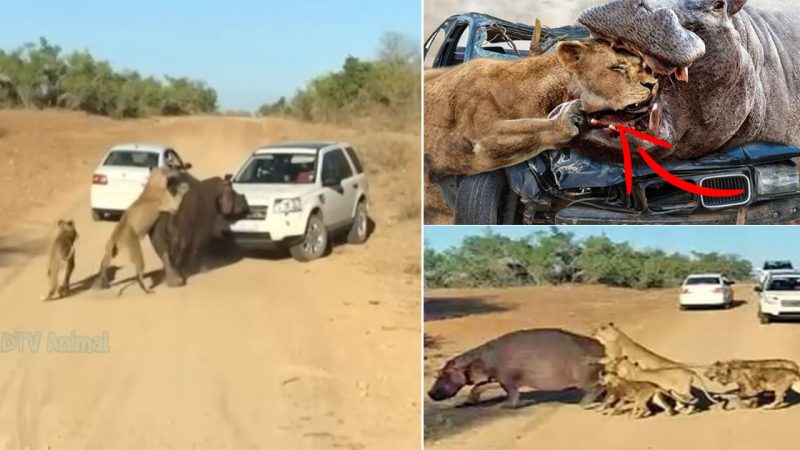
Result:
pixel 678 381
pixel 619 345
pixel 488 113
pixel 753 380
pixel 62 254
pixel 622 394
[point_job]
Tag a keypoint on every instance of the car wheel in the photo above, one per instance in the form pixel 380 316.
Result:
pixel 359 230
pixel 315 241
pixel 764 318
pixel 97 216
pixel 485 199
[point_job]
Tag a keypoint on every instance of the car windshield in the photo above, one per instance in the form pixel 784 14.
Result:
pixel 702 280
pixel 133 158
pixel 279 168
pixel 777 265
pixel 784 284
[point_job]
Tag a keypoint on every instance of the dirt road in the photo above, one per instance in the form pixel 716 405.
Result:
pixel 557 422
pixel 264 352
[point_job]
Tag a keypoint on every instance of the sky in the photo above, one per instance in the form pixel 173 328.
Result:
pixel 250 51
pixel 755 243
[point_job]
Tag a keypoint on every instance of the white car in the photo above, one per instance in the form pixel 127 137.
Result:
pixel 299 194
pixel 121 176
pixel 706 289
pixel 779 296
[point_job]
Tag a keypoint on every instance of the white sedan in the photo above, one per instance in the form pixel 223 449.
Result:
pixel 706 289
pixel 121 176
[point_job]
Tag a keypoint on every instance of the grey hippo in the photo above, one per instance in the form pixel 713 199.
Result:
pixel 729 73
pixel 543 359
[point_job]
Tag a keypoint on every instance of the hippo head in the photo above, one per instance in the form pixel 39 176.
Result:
pixel 669 35
pixel 232 204
pixel 455 375
pixel 673 38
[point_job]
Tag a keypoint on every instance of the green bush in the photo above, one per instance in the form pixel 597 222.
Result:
pixel 556 257
pixel 387 88
pixel 37 75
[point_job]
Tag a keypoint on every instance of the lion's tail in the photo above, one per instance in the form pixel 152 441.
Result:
pixel 701 384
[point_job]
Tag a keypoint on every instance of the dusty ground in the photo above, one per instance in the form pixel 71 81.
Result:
pixel 457 320
pixel 263 353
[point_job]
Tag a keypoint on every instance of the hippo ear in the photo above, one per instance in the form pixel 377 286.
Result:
pixel 734 6
pixel 570 53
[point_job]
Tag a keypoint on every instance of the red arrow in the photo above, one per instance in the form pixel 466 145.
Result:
pixel 662 172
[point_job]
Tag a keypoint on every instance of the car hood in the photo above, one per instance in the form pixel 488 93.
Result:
pixel 266 194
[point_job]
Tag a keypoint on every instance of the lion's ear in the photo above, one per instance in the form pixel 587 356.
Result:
pixel 570 53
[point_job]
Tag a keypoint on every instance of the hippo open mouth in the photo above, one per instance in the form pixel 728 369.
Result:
pixel 654 34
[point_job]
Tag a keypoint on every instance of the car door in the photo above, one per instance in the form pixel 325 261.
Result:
pixel 337 188
pixel 359 177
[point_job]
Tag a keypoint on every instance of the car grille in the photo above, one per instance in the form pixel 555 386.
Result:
pixel 257 213
pixel 791 303
pixel 726 182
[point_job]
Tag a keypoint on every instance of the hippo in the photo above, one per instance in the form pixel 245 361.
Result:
pixel 180 240
pixel 728 73
pixel 542 359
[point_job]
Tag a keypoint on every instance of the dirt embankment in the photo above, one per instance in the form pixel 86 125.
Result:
pixel 457 320
pixel 262 352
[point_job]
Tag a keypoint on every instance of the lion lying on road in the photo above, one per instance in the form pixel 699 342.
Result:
pixel 487 113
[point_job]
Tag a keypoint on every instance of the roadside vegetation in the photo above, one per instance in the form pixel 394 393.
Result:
pixel 386 90
pixel 39 75
pixel 492 260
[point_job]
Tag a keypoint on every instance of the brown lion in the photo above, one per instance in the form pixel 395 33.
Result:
pixel 489 113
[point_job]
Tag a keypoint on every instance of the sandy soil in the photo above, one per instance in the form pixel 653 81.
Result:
pixel 457 320
pixel 263 352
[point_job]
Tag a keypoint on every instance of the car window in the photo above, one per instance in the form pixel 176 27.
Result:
pixel 335 166
pixel 354 159
pixel 131 158
pixel 279 168
pixel 777 265
pixel 434 45
pixel 784 284
pixel 702 280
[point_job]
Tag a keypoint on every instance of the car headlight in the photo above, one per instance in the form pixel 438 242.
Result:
pixel 777 179
pixel 287 205
pixel 771 299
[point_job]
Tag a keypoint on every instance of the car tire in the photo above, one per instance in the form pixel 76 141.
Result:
pixel 315 241
pixel 485 199
pixel 764 319
pixel 97 216
pixel 359 230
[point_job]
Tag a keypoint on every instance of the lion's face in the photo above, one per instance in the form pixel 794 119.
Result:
pixel 605 79
pixel 606 333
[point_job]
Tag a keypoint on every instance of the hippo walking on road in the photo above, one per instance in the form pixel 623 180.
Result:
pixel 540 359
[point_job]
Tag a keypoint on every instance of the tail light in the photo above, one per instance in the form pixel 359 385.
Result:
pixel 717 290
pixel 99 179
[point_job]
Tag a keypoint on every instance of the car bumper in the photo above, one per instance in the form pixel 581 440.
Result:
pixel 702 300
pixel 275 230
pixel 779 309
pixel 111 200
pixel 769 212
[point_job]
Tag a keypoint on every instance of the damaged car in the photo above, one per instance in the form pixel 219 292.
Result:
pixel 570 187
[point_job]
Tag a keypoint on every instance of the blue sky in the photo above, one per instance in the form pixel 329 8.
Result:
pixel 251 51
pixel 751 242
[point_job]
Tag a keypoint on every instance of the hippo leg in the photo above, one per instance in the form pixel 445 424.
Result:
pixel 475 394
pixel 510 386
pixel 172 276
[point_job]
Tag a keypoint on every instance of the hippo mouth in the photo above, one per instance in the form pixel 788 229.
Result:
pixel 655 35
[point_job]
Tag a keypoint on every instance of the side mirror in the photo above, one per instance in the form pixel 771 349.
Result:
pixel 731 282
pixel 330 182
pixel 757 289
pixel 228 177
pixel 187 166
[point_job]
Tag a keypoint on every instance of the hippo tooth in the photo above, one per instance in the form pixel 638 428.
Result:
pixel 655 121
pixel 682 74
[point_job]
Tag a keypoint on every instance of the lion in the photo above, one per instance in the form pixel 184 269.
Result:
pixel 754 379
pixel 622 394
pixel 488 113
pixel 676 380
pixel 137 221
pixel 619 345
pixel 62 254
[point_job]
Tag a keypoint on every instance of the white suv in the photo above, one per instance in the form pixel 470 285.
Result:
pixel 779 296
pixel 122 174
pixel 299 194
pixel 706 289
